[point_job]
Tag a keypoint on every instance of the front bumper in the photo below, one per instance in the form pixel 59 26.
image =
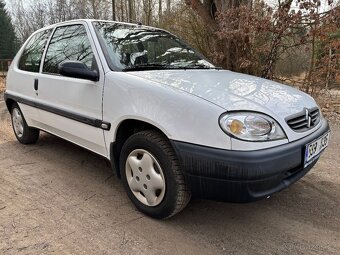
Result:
pixel 244 176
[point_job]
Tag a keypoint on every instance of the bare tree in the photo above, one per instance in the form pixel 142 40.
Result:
pixel 281 24
pixel 148 11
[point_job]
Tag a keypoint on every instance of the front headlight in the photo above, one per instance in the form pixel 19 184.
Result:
pixel 251 126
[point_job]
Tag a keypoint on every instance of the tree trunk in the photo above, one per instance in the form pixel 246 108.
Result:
pixel 122 10
pixel 94 9
pixel 147 7
pixel 160 10
pixel 328 75
pixel 130 10
pixel 226 49
pixel 308 79
pixel 203 10
pixel 113 9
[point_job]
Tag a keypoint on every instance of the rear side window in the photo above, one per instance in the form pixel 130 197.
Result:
pixel 69 43
pixel 31 57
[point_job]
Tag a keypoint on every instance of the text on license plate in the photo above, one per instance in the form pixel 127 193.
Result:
pixel 314 148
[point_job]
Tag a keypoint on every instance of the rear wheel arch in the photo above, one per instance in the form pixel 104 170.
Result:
pixel 23 133
pixel 124 130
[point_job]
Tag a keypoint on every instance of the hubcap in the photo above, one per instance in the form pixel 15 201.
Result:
pixel 145 177
pixel 18 122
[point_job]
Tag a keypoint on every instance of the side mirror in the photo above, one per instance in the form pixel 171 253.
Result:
pixel 77 69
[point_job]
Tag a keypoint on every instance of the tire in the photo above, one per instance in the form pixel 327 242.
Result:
pixel 22 131
pixel 148 164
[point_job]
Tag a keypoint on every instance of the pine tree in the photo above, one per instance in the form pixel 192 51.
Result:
pixel 8 40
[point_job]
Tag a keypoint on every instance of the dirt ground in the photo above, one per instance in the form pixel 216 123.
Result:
pixel 2 83
pixel 57 198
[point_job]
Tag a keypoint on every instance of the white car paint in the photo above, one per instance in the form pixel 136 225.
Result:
pixel 184 104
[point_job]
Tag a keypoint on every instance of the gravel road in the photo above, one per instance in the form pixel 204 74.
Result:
pixel 58 198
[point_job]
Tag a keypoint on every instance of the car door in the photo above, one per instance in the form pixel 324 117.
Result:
pixel 71 107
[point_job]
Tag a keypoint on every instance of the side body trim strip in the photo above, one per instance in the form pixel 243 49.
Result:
pixel 67 114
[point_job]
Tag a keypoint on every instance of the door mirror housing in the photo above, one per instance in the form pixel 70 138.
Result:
pixel 77 69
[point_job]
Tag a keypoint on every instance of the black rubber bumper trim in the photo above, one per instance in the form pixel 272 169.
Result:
pixel 67 114
pixel 242 176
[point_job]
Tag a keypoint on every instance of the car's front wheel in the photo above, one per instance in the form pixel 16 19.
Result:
pixel 22 131
pixel 152 176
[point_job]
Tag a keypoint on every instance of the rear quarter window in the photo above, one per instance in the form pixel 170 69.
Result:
pixel 31 57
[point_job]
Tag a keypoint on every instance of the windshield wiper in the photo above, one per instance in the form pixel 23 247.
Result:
pixel 159 66
pixel 198 66
pixel 151 66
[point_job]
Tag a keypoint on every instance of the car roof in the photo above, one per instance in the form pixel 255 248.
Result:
pixel 92 20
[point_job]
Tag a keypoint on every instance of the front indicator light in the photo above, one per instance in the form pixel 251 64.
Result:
pixel 236 127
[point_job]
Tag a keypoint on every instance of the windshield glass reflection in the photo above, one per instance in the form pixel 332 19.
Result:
pixel 133 48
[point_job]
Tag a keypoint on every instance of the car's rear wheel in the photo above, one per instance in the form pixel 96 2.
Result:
pixel 152 176
pixel 22 131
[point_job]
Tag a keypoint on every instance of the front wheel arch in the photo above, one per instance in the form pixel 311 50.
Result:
pixel 126 129
pixel 9 104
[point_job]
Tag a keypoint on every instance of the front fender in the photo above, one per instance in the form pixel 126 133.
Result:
pixel 179 115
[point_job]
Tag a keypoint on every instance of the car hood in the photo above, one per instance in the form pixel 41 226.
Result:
pixel 234 91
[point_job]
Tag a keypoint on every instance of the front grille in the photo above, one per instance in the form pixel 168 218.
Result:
pixel 304 120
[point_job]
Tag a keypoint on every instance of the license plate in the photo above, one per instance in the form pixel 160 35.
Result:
pixel 314 148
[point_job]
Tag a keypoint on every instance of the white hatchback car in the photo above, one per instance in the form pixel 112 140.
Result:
pixel 171 123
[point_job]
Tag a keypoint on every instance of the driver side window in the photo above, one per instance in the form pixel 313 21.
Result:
pixel 69 43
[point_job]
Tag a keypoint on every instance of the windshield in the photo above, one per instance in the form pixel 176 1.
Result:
pixel 133 48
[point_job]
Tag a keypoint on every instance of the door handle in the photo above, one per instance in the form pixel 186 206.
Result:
pixel 36 84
